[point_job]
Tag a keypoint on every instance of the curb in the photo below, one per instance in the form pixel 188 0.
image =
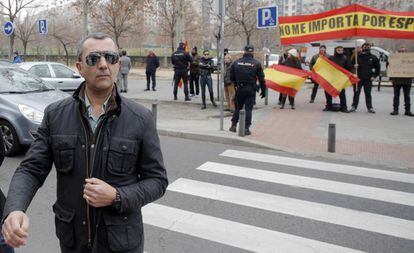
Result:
pixel 238 141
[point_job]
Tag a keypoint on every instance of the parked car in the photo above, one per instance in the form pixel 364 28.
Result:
pixel 56 74
pixel 4 62
pixel 23 98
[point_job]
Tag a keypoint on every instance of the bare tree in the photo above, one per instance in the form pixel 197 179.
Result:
pixel 117 17
pixel 242 16
pixel 168 11
pixel 85 7
pixel 11 10
pixel 64 30
pixel 25 30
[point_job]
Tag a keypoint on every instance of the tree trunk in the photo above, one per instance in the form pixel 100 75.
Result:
pixel 24 47
pixel 11 45
pixel 172 43
pixel 85 11
pixel 67 54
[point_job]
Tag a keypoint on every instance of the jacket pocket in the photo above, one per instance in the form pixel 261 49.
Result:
pixel 122 156
pixel 64 147
pixel 65 230
pixel 124 231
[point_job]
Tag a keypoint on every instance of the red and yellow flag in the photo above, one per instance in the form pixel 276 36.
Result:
pixel 286 80
pixel 332 77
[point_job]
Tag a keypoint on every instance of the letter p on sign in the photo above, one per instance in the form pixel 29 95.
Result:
pixel 267 17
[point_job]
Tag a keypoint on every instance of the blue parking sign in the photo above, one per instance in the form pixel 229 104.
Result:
pixel 267 17
pixel 42 25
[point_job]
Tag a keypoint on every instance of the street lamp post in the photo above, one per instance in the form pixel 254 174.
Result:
pixel 222 11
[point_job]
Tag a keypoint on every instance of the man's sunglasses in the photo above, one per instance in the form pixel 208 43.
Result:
pixel 94 57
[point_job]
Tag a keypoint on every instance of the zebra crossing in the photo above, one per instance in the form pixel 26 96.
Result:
pixel 255 238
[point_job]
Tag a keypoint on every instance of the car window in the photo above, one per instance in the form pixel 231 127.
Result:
pixel 62 71
pixel 16 80
pixel 40 70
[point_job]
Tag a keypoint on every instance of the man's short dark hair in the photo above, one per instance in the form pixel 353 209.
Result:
pixel 226 50
pixel 96 35
pixel 322 46
pixel 249 49
pixel 366 44
pixel 124 52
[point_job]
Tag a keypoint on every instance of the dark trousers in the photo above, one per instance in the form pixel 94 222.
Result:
pixel 178 75
pixel 194 82
pixel 342 100
pixel 245 97
pixel 406 90
pixel 366 84
pixel 150 75
pixel 4 248
pixel 291 99
pixel 206 81
pixel 314 91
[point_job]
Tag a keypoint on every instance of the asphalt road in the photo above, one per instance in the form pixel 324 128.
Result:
pixel 225 198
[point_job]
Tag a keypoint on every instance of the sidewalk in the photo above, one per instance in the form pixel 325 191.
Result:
pixel 373 138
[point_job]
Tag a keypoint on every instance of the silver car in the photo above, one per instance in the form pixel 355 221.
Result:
pixel 54 73
pixel 23 98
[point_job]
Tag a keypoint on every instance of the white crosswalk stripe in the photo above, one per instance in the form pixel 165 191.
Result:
pixel 322 166
pixel 397 197
pixel 254 238
pixel 305 209
pixel 235 234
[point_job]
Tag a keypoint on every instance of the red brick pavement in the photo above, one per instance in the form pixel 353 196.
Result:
pixel 295 130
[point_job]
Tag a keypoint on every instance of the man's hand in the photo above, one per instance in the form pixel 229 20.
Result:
pixel 263 94
pixel 16 229
pixel 98 193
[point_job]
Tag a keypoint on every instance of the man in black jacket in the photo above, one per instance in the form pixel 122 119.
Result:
pixel 368 70
pixel 206 67
pixel 107 157
pixel 339 58
pixel 181 61
pixel 322 51
pixel 405 84
pixel 150 71
pixel 244 73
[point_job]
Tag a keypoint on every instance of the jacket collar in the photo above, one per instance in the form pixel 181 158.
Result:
pixel 114 102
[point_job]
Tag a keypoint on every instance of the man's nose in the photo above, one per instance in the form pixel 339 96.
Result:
pixel 102 62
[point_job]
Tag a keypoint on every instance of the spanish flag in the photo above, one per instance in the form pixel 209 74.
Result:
pixel 286 80
pixel 332 77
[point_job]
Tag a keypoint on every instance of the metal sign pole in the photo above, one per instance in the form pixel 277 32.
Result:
pixel 267 62
pixel 222 14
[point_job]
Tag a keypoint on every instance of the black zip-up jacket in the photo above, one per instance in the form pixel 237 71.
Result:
pixel 368 66
pixel 342 61
pixel 206 66
pixel 181 59
pixel 124 152
pixel 247 70
pixel 152 63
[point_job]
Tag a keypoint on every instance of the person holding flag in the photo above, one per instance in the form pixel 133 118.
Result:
pixel 181 61
pixel 322 51
pixel 294 62
pixel 340 59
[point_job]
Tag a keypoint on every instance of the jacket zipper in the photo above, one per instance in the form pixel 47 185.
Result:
pixel 89 170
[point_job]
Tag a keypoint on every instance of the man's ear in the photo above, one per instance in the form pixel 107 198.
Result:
pixel 79 67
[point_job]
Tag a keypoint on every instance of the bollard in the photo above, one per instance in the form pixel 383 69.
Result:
pixel 242 121
pixel 154 112
pixel 331 138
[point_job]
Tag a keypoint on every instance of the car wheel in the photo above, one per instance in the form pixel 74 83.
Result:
pixel 11 141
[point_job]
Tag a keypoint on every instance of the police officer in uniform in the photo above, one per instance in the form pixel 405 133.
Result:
pixel 243 73
pixel 181 61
